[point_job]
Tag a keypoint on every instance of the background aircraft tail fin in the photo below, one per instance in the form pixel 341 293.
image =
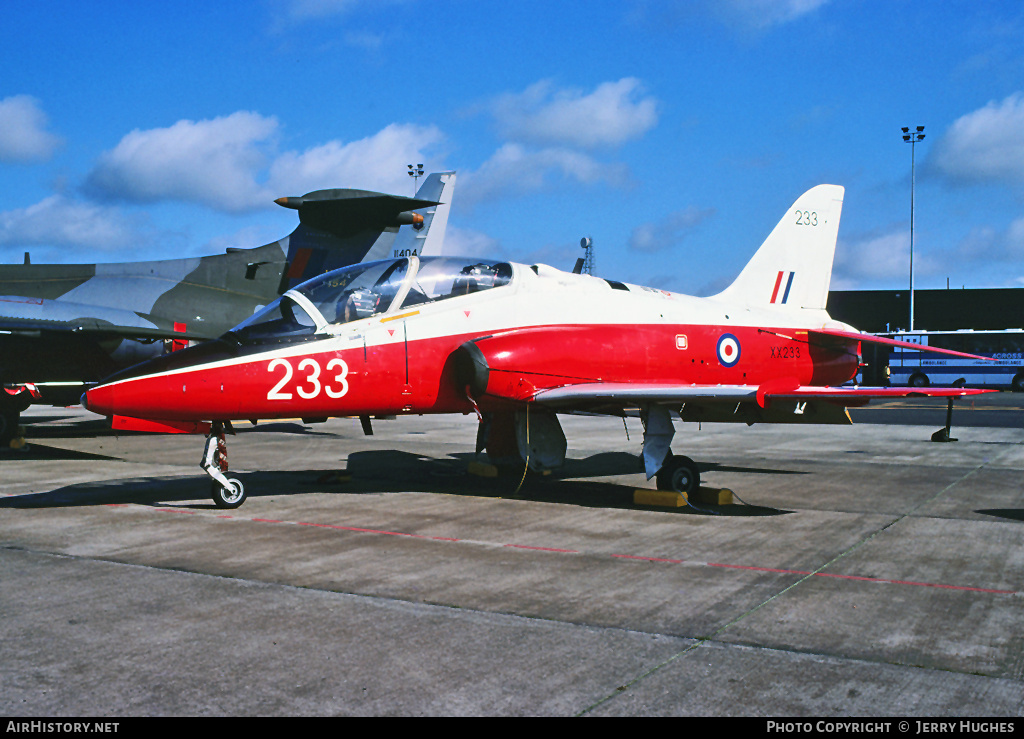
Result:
pixel 342 227
pixel 793 267
pixel 426 239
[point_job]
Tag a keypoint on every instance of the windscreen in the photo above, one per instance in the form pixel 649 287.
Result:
pixel 281 321
pixel 365 290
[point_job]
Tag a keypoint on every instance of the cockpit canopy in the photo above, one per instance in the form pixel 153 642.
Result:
pixel 369 289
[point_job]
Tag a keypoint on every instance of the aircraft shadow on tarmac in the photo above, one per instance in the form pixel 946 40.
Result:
pixel 1014 514
pixel 40 429
pixel 39 452
pixel 140 491
pixel 388 471
pixel 58 427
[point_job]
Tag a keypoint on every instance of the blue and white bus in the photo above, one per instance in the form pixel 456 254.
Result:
pixel 921 369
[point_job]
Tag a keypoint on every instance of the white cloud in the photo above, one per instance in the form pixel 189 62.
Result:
pixel 763 14
pixel 987 245
pixel 377 162
pixel 882 261
pixel 745 16
pixel 23 134
pixel 61 221
pixel 303 10
pixel 514 169
pixel 883 258
pixel 986 145
pixel 615 112
pixel 229 163
pixel 467 242
pixel 670 231
pixel 214 162
pixel 288 14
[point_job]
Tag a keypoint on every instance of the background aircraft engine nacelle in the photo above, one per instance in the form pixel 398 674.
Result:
pixel 129 352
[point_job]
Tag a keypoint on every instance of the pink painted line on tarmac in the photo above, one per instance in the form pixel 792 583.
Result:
pixel 542 549
pixel 650 559
pixel 367 531
pixel 556 550
pixel 757 569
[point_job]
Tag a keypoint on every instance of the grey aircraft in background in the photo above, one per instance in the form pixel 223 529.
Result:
pixel 64 327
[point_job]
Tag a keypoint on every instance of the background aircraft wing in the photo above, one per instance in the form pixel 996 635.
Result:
pixel 28 315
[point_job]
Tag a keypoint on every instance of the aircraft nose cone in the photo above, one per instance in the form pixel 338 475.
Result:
pixel 99 400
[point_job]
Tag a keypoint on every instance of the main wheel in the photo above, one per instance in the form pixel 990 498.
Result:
pixel 1018 384
pixel 228 497
pixel 679 474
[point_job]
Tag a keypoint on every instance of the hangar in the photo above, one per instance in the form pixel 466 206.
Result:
pixel 883 311
pixel 888 311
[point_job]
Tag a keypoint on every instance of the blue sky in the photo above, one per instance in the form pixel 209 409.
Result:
pixel 675 133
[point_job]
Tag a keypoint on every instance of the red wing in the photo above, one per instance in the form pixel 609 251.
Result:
pixel 611 393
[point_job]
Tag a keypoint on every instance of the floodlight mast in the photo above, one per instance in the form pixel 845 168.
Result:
pixel 912 137
pixel 415 172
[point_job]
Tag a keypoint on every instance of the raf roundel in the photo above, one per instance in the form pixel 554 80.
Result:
pixel 728 350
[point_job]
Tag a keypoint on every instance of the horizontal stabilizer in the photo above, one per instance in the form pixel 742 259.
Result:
pixel 341 227
pixel 343 213
pixel 884 341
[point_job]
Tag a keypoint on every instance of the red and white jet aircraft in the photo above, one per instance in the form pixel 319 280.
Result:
pixel 518 344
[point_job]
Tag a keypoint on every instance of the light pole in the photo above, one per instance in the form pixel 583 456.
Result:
pixel 912 137
pixel 415 172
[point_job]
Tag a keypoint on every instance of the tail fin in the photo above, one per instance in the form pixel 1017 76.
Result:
pixel 427 239
pixel 793 267
pixel 342 227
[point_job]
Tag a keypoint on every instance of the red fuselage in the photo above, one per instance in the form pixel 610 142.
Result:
pixel 407 359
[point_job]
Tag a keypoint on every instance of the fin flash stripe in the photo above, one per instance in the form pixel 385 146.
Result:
pixel 778 284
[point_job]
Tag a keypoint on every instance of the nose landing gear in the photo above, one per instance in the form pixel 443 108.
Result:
pixel 227 492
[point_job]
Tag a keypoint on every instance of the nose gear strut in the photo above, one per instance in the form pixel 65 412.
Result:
pixel 227 492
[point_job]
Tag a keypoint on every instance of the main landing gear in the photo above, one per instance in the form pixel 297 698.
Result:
pixel 673 472
pixel 227 492
pixel 678 474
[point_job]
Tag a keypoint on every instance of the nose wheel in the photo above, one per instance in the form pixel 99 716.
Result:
pixel 227 492
pixel 231 496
